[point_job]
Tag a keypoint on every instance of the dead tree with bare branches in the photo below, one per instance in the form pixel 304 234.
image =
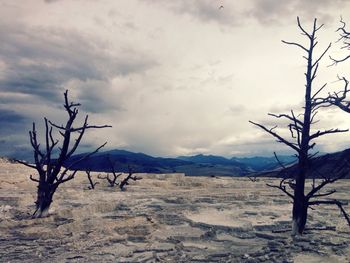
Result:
pixel 303 137
pixel 125 182
pixel 345 40
pixel 92 183
pixel 51 171
pixel 112 181
pixel 339 99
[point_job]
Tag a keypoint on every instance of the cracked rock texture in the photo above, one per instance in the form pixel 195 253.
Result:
pixel 164 218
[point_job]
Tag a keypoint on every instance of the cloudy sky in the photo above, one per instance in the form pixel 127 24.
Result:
pixel 173 77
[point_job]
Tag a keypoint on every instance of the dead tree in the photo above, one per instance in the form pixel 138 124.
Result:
pixel 53 172
pixel 112 181
pixel 92 184
pixel 339 98
pixel 345 39
pixel 253 179
pixel 125 182
pixel 303 137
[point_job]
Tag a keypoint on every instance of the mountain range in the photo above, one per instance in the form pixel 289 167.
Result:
pixel 324 166
pixel 205 165
pixel 210 165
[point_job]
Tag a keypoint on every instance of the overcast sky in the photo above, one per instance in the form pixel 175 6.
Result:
pixel 175 77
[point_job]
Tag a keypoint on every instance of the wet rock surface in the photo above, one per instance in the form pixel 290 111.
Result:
pixel 164 218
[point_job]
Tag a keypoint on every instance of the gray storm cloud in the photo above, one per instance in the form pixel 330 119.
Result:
pixel 267 12
pixel 172 77
pixel 41 61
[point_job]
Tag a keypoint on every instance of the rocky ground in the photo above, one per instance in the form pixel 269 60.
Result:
pixel 164 218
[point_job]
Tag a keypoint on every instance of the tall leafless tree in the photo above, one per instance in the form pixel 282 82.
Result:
pixel 53 172
pixel 303 137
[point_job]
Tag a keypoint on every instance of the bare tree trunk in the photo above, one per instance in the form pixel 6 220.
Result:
pixel 44 199
pixel 92 184
pixel 300 206
pixel 300 203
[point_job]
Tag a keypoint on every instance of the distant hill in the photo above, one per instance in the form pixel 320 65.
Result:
pixel 248 164
pixel 121 159
pixel 213 159
pixel 142 163
pixel 206 165
pixel 197 165
pixel 323 166
pixel 259 163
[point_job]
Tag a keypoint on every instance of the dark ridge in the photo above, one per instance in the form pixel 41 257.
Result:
pixel 323 166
